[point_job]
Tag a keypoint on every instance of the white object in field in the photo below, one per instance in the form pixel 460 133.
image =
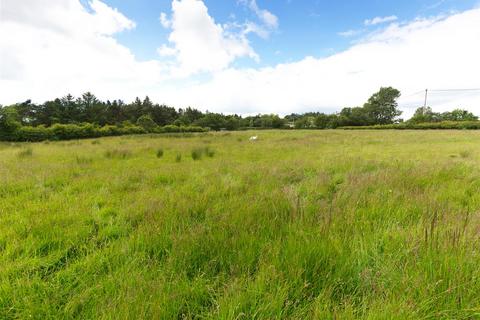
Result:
pixel 254 138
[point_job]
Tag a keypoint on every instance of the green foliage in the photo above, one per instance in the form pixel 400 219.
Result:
pixel 147 123
pixel 198 153
pixel 118 154
pixel 178 157
pixel 425 114
pixel 444 125
pixel 382 107
pixel 82 131
pixel 8 122
pixel 88 117
pixel 160 153
pixel 459 115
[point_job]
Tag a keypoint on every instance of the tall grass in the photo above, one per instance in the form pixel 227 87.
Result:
pixel 26 152
pixel 301 225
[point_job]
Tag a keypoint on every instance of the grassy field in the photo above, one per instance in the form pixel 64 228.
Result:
pixel 297 225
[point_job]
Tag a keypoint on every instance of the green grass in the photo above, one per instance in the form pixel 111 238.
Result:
pixel 297 225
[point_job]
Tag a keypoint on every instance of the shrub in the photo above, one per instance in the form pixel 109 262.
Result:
pixel 119 154
pixel 12 131
pixel 198 153
pixel 83 160
pixel 445 125
pixel 209 152
pixel 159 153
pixel 178 158
pixel 147 123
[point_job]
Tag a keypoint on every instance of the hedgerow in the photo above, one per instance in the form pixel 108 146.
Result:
pixel 444 125
pixel 83 131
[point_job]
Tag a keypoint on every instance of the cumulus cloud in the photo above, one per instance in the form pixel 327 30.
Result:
pixel 380 20
pixel 425 53
pixel 50 48
pixel 198 43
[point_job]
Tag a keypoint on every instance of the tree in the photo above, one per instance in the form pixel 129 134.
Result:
pixel 459 115
pixel 163 115
pixel 147 123
pixel 425 114
pixel 189 115
pixel 382 107
pixel 321 121
pixel 214 121
pixel 9 121
pixel 305 122
pixel 357 116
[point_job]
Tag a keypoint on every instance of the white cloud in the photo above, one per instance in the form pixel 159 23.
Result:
pixel 166 23
pixel 200 44
pixel 50 48
pixel 435 53
pixel 268 18
pixel 166 51
pixel 48 51
pixel 350 33
pixel 380 20
pixel 108 20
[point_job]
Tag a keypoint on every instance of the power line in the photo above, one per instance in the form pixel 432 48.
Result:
pixel 430 91
pixel 448 90
pixel 442 90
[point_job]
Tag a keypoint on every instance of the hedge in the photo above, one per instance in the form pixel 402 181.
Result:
pixel 445 125
pixel 73 131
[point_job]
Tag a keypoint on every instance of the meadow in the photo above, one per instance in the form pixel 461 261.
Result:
pixel 297 225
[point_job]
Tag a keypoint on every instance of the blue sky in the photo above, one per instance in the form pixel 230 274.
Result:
pixel 306 28
pixel 242 56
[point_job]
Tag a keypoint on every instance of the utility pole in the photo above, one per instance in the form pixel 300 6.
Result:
pixel 426 96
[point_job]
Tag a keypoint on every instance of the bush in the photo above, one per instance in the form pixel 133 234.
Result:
pixel 16 132
pixel 178 158
pixel 159 153
pixel 444 125
pixel 67 132
pixel 147 123
pixel 209 152
pixel 198 153
pixel 118 154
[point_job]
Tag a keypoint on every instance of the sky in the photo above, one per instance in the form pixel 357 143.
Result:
pixel 242 56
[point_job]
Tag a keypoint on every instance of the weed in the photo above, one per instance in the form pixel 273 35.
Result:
pixel 160 153
pixel 83 160
pixel 465 154
pixel 118 154
pixel 209 152
pixel 197 154
pixel 27 152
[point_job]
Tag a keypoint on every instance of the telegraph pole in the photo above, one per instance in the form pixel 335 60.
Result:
pixel 426 96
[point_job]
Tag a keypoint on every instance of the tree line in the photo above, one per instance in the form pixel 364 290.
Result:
pixel 145 113
pixel 27 120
